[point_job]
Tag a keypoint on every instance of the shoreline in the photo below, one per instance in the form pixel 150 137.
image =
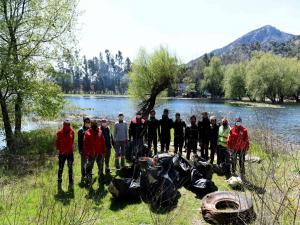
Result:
pixel 245 103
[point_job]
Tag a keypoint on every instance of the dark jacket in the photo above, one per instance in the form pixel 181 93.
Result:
pixel 137 128
pixel 214 135
pixel 107 136
pixel 152 127
pixel 191 134
pixel 165 124
pixel 179 128
pixel 80 138
pixel 204 130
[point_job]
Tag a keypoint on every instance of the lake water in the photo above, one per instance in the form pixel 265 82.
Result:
pixel 283 121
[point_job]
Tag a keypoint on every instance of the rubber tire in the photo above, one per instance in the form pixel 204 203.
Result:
pixel 242 214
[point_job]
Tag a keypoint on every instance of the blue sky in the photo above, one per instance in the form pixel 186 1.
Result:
pixel 188 28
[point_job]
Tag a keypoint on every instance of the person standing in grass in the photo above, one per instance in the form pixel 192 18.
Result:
pixel 109 141
pixel 137 130
pixel 214 134
pixel 191 137
pixel 152 131
pixel 121 139
pixel 238 143
pixel 179 126
pixel 204 135
pixel 65 146
pixel 223 155
pixel 94 150
pixel 81 131
pixel 166 124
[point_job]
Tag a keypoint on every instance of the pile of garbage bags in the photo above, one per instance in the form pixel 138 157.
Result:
pixel 157 180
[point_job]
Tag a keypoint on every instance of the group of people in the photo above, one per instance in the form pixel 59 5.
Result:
pixel 95 141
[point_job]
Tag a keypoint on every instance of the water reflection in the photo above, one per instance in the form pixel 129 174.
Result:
pixel 284 121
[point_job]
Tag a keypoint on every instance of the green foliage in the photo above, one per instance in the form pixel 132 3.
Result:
pixel 190 85
pixel 50 105
pixel 33 35
pixel 213 78
pixel 152 73
pixel 264 76
pixel 270 76
pixel 234 81
pixel 40 141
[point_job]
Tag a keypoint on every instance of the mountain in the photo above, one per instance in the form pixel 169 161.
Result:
pixel 266 38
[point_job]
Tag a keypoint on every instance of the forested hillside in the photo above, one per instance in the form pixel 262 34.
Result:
pixel 105 74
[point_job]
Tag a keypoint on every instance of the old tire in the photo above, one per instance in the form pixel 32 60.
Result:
pixel 224 207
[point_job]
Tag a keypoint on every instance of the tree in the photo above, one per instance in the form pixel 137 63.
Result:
pixel 32 34
pixel 86 79
pixel 127 66
pixel 213 78
pixel 152 74
pixel 271 76
pixel 234 81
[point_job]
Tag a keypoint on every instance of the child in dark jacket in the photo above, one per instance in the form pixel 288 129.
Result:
pixel 81 131
pixel 214 136
pixel 179 126
pixel 109 141
pixel 191 137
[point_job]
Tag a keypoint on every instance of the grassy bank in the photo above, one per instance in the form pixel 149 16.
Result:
pixel 29 193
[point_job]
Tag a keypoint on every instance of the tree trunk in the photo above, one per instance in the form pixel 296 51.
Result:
pixel 18 114
pixel 7 127
pixel 281 99
pixel 148 105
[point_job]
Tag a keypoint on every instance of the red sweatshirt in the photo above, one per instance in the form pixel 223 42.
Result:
pixel 93 143
pixel 65 141
pixel 238 139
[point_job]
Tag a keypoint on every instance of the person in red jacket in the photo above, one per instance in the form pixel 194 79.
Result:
pixel 94 150
pixel 65 146
pixel 238 143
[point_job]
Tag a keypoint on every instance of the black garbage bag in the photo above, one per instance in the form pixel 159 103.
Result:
pixel 159 183
pixel 125 188
pixel 126 172
pixel 163 160
pixel 201 186
pixel 158 191
pixel 133 152
pixel 184 168
pixel 204 168
pixel 218 170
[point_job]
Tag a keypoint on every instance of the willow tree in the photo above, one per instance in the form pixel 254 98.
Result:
pixel 213 78
pixel 33 34
pixel 152 74
pixel 234 81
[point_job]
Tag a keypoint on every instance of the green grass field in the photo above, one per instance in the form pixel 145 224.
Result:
pixel 30 197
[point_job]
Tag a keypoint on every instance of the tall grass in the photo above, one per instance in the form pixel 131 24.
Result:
pixel 28 189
